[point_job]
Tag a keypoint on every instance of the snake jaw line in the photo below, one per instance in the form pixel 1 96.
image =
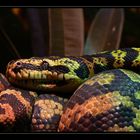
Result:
pixel 49 82
pixel 44 79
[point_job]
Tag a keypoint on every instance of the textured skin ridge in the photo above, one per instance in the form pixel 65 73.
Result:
pixel 47 112
pixel 119 103
pixel 15 110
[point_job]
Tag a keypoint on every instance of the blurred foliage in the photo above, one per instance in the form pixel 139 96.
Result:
pixel 66 31
pixel 131 31
pixel 105 31
pixel 15 23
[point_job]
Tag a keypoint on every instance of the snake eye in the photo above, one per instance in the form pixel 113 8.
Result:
pixel 44 65
pixel 45 62
pixel 18 63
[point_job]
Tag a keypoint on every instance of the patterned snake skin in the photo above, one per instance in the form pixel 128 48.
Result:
pixel 16 110
pixel 47 112
pixel 109 101
pixel 108 96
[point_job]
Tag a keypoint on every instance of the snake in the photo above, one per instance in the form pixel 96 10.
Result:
pixel 16 107
pixel 25 111
pixel 103 89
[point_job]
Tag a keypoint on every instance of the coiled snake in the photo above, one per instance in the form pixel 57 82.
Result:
pixel 104 90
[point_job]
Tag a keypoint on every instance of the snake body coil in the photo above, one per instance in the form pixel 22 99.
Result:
pixel 107 102
pixel 16 107
pixel 47 112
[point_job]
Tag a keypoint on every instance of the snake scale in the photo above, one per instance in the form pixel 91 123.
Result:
pixel 101 93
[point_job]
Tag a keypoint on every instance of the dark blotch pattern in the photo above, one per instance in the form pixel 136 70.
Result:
pixel 118 115
pixel 59 69
pixel 21 109
pixel 40 124
pixel 124 85
pixel 82 71
pixel 86 92
pixel 44 65
pixel 2 111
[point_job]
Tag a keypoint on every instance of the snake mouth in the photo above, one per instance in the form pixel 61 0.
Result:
pixel 38 83
pixel 43 80
pixel 40 80
pixel 57 86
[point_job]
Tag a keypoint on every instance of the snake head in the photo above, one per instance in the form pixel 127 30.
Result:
pixel 50 73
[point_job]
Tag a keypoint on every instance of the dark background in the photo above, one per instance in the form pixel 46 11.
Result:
pixel 15 23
